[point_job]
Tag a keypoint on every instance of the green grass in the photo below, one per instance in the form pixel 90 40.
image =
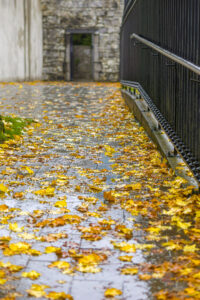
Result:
pixel 12 126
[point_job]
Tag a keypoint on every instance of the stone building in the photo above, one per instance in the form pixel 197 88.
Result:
pixel 21 52
pixel 81 39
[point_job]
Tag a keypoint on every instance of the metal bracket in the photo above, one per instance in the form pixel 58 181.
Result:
pixel 195 80
pixel 170 65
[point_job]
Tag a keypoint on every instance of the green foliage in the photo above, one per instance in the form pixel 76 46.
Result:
pixel 12 126
pixel 82 39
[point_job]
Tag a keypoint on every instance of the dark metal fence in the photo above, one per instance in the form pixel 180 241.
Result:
pixel 167 68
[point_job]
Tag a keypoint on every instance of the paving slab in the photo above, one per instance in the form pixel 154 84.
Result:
pixel 98 190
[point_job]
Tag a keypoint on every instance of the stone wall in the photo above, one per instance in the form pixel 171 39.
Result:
pixel 20 40
pixel 102 16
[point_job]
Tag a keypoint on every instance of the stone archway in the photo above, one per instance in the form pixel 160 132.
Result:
pixel 95 52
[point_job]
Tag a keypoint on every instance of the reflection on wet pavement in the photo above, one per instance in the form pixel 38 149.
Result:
pixel 90 204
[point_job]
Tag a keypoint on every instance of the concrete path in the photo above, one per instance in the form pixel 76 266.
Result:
pixel 84 187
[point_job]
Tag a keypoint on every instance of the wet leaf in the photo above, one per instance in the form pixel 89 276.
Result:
pixel 125 258
pixel 136 186
pixel 28 169
pixel 46 192
pixel 109 150
pixel 125 247
pixel 14 227
pixel 37 290
pixel 191 248
pixel 59 296
pixel 2 281
pixel 112 292
pixel 3 188
pixel 60 265
pixel 61 203
pixel 145 277
pixel 52 249
pixel 31 275
pixel 129 271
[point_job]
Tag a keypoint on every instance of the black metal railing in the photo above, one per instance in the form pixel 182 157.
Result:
pixel 160 50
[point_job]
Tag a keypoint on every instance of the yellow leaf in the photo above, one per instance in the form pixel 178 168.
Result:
pixel 144 246
pixel 14 227
pixel 77 188
pixel 3 281
pixel 154 230
pixel 125 258
pixel 110 196
pixel 52 250
pixel 3 188
pixel 183 225
pixel 37 290
pixel 112 292
pixel 29 170
pixel 191 248
pixel 109 150
pixel 88 269
pixel 2 274
pixel 95 188
pixel 158 275
pixel 32 275
pixel 136 186
pixel 90 259
pixel 129 271
pixel 192 292
pixel 5 238
pixel 18 195
pixel 60 265
pixel 14 268
pixel 4 208
pixel 197 275
pixel 88 263
pixel 19 247
pixel 27 236
pixel 59 296
pixel 125 247
pixel 171 246
pixel 34 252
pixel 46 192
pixel 94 214
pixel 145 276
pixel 61 203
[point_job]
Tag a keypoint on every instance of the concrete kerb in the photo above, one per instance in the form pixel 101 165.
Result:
pixel 147 119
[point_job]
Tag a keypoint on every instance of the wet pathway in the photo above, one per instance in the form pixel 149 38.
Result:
pixel 91 208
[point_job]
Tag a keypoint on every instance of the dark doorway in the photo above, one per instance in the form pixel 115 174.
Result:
pixel 81 56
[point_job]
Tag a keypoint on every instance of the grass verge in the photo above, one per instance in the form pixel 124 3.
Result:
pixel 12 126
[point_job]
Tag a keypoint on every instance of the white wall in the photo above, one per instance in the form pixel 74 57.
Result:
pixel 20 40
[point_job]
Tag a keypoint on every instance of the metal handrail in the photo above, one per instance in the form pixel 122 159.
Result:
pixel 189 65
pixel 128 11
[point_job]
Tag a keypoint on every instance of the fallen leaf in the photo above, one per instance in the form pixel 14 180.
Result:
pixel 125 247
pixel 112 292
pixel 46 192
pixel 3 188
pixel 31 275
pixel 125 258
pixel 52 249
pixel 61 203
pixel 59 296
pixel 37 290
pixel 28 169
pixel 145 276
pixel 14 227
pixel 129 271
